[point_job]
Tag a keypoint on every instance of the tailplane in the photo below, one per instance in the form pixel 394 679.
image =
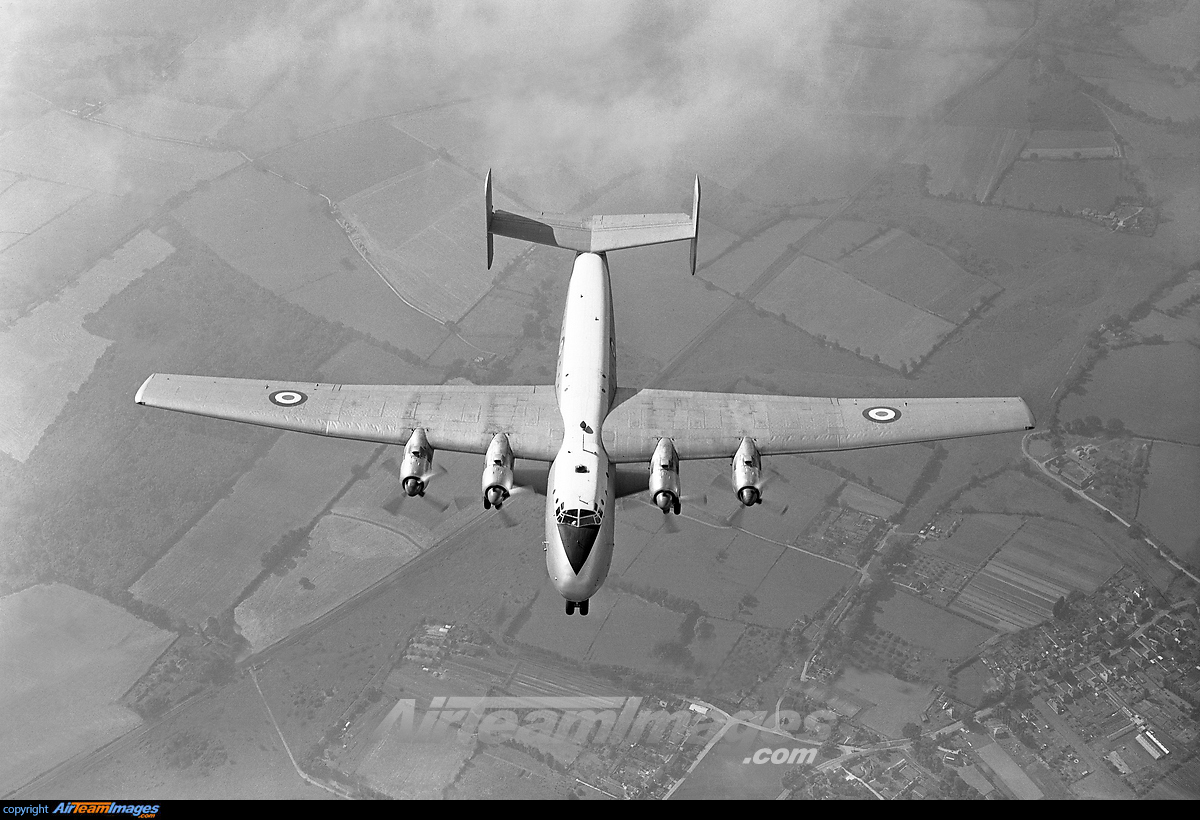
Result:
pixel 594 234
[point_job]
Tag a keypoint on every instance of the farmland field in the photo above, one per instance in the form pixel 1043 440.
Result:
pixel 422 227
pixel 632 629
pixel 713 567
pixel 896 702
pixel 27 204
pixel 406 769
pixel 913 272
pixel 158 116
pixel 1121 381
pixel 1158 98
pixel 72 151
pixel 48 354
pixel 796 586
pixel 1174 475
pixel 1010 772
pixel 344 556
pixel 723 775
pixel 206 571
pixel 841 238
pixel 344 161
pixel 737 270
pixel 1043 562
pixel 1064 145
pixel 968 161
pixel 923 624
pixel 976 539
pixel 860 498
pixel 648 283
pixel 301 253
pixel 66 658
pixel 1049 185
pixel 1169 39
pixel 44 262
pixel 824 301
pixel 890 470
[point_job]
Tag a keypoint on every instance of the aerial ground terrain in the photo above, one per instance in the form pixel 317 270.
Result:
pixel 919 198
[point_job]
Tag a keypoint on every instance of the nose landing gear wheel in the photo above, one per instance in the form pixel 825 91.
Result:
pixel 583 607
pixel 570 607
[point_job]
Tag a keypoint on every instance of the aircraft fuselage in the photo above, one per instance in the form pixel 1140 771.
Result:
pixel 580 491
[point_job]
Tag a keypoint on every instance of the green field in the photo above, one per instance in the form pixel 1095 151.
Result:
pixel 723 774
pixel 924 277
pixel 48 354
pixel 28 204
pixel 1043 562
pixel 890 470
pixel 161 116
pixel 44 262
pixel 796 586
pixel 1071 186
pixel 341 162
pixel 66 658
pixel 1120 383
pixel 842 237
pixel 110 498
pixel 967 161
pixel 914 620
pixel 73 151
pixel 299 252
pixel 207 570
pixel 344 556
pixel 1174 475
pixel 1169 35
pixel 976 539
pixel 896 702
pixel 737 270
pixel 824 301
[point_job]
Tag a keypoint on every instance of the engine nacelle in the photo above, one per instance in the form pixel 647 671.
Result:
pixel 664 477
pixel 497 472
pixel 417 465
pixel 747 473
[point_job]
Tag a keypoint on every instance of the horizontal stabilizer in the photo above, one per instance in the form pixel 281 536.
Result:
pixel 594 234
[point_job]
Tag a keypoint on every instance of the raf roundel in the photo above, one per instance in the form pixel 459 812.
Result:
pixel 288 398
pixel 881 415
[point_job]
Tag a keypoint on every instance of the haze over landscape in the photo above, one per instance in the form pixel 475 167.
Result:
pixel 909 199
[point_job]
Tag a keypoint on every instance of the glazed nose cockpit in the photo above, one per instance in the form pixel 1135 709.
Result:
pixel 577 529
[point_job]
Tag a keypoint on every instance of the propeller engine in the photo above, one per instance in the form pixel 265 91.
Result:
pixel 664 477
pixel 497 472
pixel 416 468
pixel 747 473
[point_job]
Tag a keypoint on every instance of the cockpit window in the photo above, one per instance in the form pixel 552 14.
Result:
pixel 577 518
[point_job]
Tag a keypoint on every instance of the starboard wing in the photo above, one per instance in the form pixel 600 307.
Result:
pixel 711 425
pixel 461 418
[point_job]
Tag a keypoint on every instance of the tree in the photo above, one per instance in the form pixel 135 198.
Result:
pixel 911 731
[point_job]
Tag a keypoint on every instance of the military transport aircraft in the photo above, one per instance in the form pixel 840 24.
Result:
pixel 584 424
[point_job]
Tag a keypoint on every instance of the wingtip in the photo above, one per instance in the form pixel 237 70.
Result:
pixel 140 396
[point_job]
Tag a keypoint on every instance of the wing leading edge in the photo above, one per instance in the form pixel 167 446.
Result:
pixel 461 418
pixel 711 425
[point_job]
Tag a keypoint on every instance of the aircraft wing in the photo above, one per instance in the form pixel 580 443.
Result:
pixel 712 425
pixel 461 418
